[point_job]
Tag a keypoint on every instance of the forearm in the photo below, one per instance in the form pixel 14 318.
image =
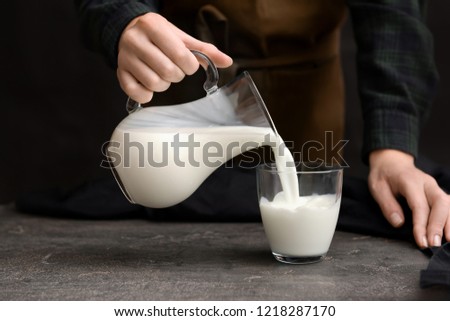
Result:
pixel 396 71
pixel 102 22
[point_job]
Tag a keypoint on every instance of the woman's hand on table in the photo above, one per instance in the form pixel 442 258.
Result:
pixel 393 173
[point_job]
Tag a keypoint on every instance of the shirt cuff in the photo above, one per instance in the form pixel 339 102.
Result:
pixel 390 129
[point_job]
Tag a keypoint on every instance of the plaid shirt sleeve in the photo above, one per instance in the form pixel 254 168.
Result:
pixel 102 22
pixel 397 77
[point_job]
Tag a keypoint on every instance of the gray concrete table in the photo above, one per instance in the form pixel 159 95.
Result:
pixel 61 259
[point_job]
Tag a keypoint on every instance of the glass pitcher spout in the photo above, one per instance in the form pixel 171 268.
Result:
pixel 249 106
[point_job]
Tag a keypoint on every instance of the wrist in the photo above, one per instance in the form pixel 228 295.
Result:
pixel 379 156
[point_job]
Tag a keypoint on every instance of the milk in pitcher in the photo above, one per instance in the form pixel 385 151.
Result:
pixel 161 166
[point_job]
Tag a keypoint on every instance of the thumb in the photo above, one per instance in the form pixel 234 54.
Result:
pixel 391 209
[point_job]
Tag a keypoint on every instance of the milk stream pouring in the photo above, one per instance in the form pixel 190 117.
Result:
pixel 161 155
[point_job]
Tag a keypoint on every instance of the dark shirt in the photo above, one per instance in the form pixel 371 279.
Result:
pixel 397 76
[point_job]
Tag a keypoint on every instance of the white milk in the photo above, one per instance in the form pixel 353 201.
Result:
pixel 302 228
pixel 159 175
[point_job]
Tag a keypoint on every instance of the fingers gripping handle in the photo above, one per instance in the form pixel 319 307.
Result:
pixel 210 85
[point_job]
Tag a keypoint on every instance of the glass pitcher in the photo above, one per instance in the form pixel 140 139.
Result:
pixel 160 155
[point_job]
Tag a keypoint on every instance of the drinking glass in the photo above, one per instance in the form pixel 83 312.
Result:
pixel 300 230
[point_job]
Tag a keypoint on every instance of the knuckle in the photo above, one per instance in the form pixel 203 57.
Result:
pixel 181 55
pixel 374 185
pixel 444 200
pixel 389 206
pixel 133 88
pixel 152 17
pixel 123 60
pixel 148 25
pixel 190 63
pixel 154 83
pixel 186 59
pixel 151 80
pixel 438 196
pixel 129 39
pixel 167 71
pixel 129 88
pixel 152 22
pixel 430 180
pixel 419 207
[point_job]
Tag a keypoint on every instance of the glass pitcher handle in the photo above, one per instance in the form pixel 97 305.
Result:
pixel 212 74
pixel 210 85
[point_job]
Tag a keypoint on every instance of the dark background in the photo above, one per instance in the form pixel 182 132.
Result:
pixel 60 102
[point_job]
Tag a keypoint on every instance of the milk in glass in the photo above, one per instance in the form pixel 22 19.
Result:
pixel 297 225
pixel 302 228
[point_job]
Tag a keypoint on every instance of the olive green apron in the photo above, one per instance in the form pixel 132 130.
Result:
pixel 290 48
